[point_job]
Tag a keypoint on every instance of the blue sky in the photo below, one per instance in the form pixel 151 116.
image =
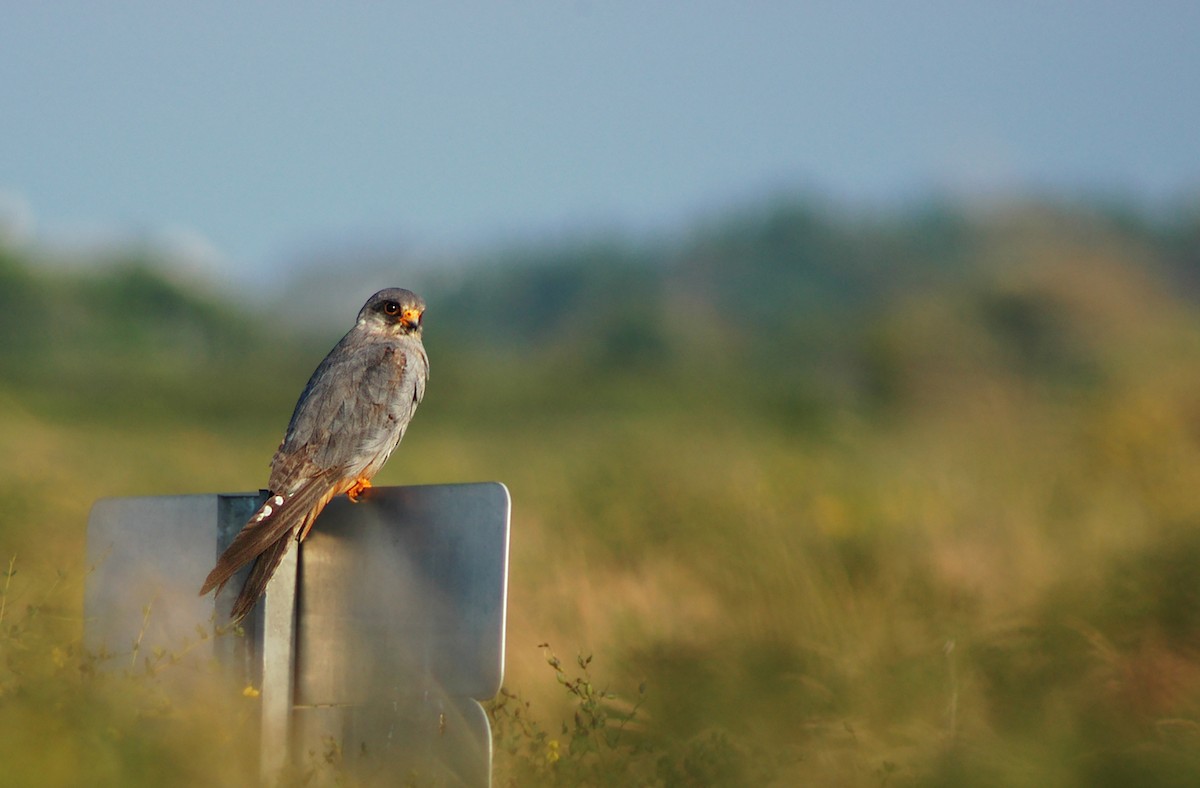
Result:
pixel 249 134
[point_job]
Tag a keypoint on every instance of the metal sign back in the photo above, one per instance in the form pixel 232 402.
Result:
pixel 382 633
pixel 425 603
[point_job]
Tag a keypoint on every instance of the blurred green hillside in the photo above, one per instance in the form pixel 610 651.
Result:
pixel 907 499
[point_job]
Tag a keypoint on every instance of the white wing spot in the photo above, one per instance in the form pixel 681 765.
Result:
pixel 265 512
pixel 277 500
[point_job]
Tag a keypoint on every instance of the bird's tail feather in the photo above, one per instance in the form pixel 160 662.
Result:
pixel 264 567
pixel 266 564
pixel 266 534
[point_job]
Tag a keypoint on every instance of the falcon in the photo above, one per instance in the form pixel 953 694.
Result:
pixel 347 422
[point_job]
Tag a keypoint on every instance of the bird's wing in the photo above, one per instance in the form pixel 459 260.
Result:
pixel 346 406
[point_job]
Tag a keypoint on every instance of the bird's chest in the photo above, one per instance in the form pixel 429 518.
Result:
pixel 393 391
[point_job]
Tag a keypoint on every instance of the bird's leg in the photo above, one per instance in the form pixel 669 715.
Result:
pixel 356 489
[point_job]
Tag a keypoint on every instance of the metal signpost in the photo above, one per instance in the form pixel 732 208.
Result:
pixel 381 633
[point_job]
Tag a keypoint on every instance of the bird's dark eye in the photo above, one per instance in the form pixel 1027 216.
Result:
pixel 391 308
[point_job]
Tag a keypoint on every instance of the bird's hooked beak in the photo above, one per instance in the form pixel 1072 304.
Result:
pixel 411 318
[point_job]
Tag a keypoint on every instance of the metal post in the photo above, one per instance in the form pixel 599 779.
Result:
pixel 278 665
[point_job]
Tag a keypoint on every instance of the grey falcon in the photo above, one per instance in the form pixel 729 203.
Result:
pixel 347 422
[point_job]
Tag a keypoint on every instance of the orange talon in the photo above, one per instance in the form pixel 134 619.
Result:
pixel 357 488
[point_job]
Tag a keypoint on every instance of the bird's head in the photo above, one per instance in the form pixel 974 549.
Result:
pixel 393 311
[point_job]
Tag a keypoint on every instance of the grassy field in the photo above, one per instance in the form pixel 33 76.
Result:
pixel 945 535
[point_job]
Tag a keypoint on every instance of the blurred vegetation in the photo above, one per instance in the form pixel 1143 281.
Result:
pixel 838 499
